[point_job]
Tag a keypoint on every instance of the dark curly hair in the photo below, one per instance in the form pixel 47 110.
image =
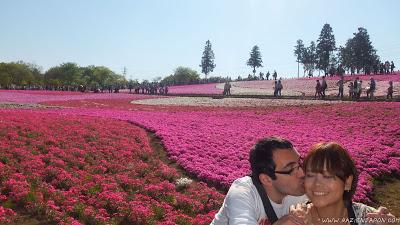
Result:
pixel 261 153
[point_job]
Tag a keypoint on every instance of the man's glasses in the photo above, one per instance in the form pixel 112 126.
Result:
pixel 290 171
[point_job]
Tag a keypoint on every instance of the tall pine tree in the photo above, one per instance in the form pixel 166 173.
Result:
pixel 255 60
pixel 207 60
pixel 364 53
pixel 299 50
pixel 325 47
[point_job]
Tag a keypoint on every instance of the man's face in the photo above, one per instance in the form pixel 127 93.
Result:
pixel 288 160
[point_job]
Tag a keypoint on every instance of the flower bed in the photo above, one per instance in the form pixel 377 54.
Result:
pixel 50 96
pixel 214 144
pixel 84 170
pixel 231 102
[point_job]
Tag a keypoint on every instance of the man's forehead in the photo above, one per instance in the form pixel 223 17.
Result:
pixel 285 154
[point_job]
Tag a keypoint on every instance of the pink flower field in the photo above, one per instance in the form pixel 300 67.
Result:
pixel 87 156
pixel 81 170
pixel 52 96
pixel 214 145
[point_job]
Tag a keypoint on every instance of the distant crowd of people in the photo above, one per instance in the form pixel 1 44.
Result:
pixel 355 88
pixel 383 68
pixel 149 88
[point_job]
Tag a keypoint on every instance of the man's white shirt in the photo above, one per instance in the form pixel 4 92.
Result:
pixel 243 205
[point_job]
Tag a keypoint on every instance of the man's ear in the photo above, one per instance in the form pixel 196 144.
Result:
pixel 265 179
pixel 348 183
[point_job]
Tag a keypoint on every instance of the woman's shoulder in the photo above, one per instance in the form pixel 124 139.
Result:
pixel 361 210
pixel 360 207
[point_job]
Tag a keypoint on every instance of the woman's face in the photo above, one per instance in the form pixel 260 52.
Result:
pixel 325 189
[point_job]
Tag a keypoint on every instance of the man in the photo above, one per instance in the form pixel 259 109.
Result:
pixel 340 83
pixel 392 67
pixel 276 183
pixel 324 86
pixel 372 88
pixel 275 164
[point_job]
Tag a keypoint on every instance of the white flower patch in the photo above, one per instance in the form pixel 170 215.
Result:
pixel 231 102
pixel 182 183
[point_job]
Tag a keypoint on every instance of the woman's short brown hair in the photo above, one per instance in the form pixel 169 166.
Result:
pixel 337 160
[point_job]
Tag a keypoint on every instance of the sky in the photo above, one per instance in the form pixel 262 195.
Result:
pixel 151 38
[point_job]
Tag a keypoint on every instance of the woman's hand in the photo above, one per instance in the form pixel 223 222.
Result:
pixel 382 217
pixel 302 212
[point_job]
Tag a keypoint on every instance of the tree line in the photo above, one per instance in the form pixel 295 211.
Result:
pixel 67 76
pixel 358 54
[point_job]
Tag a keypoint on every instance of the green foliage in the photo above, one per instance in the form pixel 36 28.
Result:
pixel 159 212
pixel 23 75
pixel 207 60
pixel 19 74
pixel 299 51
pixel 325 47
pixel 181 76
pixel 309 58
pixel 255 60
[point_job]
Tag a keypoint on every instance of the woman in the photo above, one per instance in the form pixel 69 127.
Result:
pixel 330 182
pixel 318 90
pixel 390 90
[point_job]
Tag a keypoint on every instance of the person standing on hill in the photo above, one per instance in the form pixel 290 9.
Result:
pixel 372 88
pixel 324 86
pixel 318 90
pixel 275 75
pixel 390 90
pixel 267 75
pixel 351 90
pixel 392 67
pixel 387 67
pixel 275 88
pixel 280 87
pixel 359 89
pixel 356 87
pixel 340 83
pixel 227 88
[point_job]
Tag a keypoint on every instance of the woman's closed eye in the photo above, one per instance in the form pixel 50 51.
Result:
pixel 308 174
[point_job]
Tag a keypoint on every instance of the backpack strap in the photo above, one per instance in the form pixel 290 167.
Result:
pixel 351 214
pixel 266 202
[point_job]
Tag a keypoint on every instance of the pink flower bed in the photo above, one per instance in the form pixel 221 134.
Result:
pixel 44 92
pixel 81 170
pixel 49 96
pixel 195 89
pixel 214 145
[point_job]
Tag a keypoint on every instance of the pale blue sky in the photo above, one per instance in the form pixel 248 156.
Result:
pixel 153 37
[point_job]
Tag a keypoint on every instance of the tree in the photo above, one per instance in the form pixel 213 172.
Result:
pixel 5 76
pixel 325 47
pixel 310 58
pixel 255 60
pixel 207 60
pixel 299 51
pixel 345 55
pixel 185 75
pixel 364 53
